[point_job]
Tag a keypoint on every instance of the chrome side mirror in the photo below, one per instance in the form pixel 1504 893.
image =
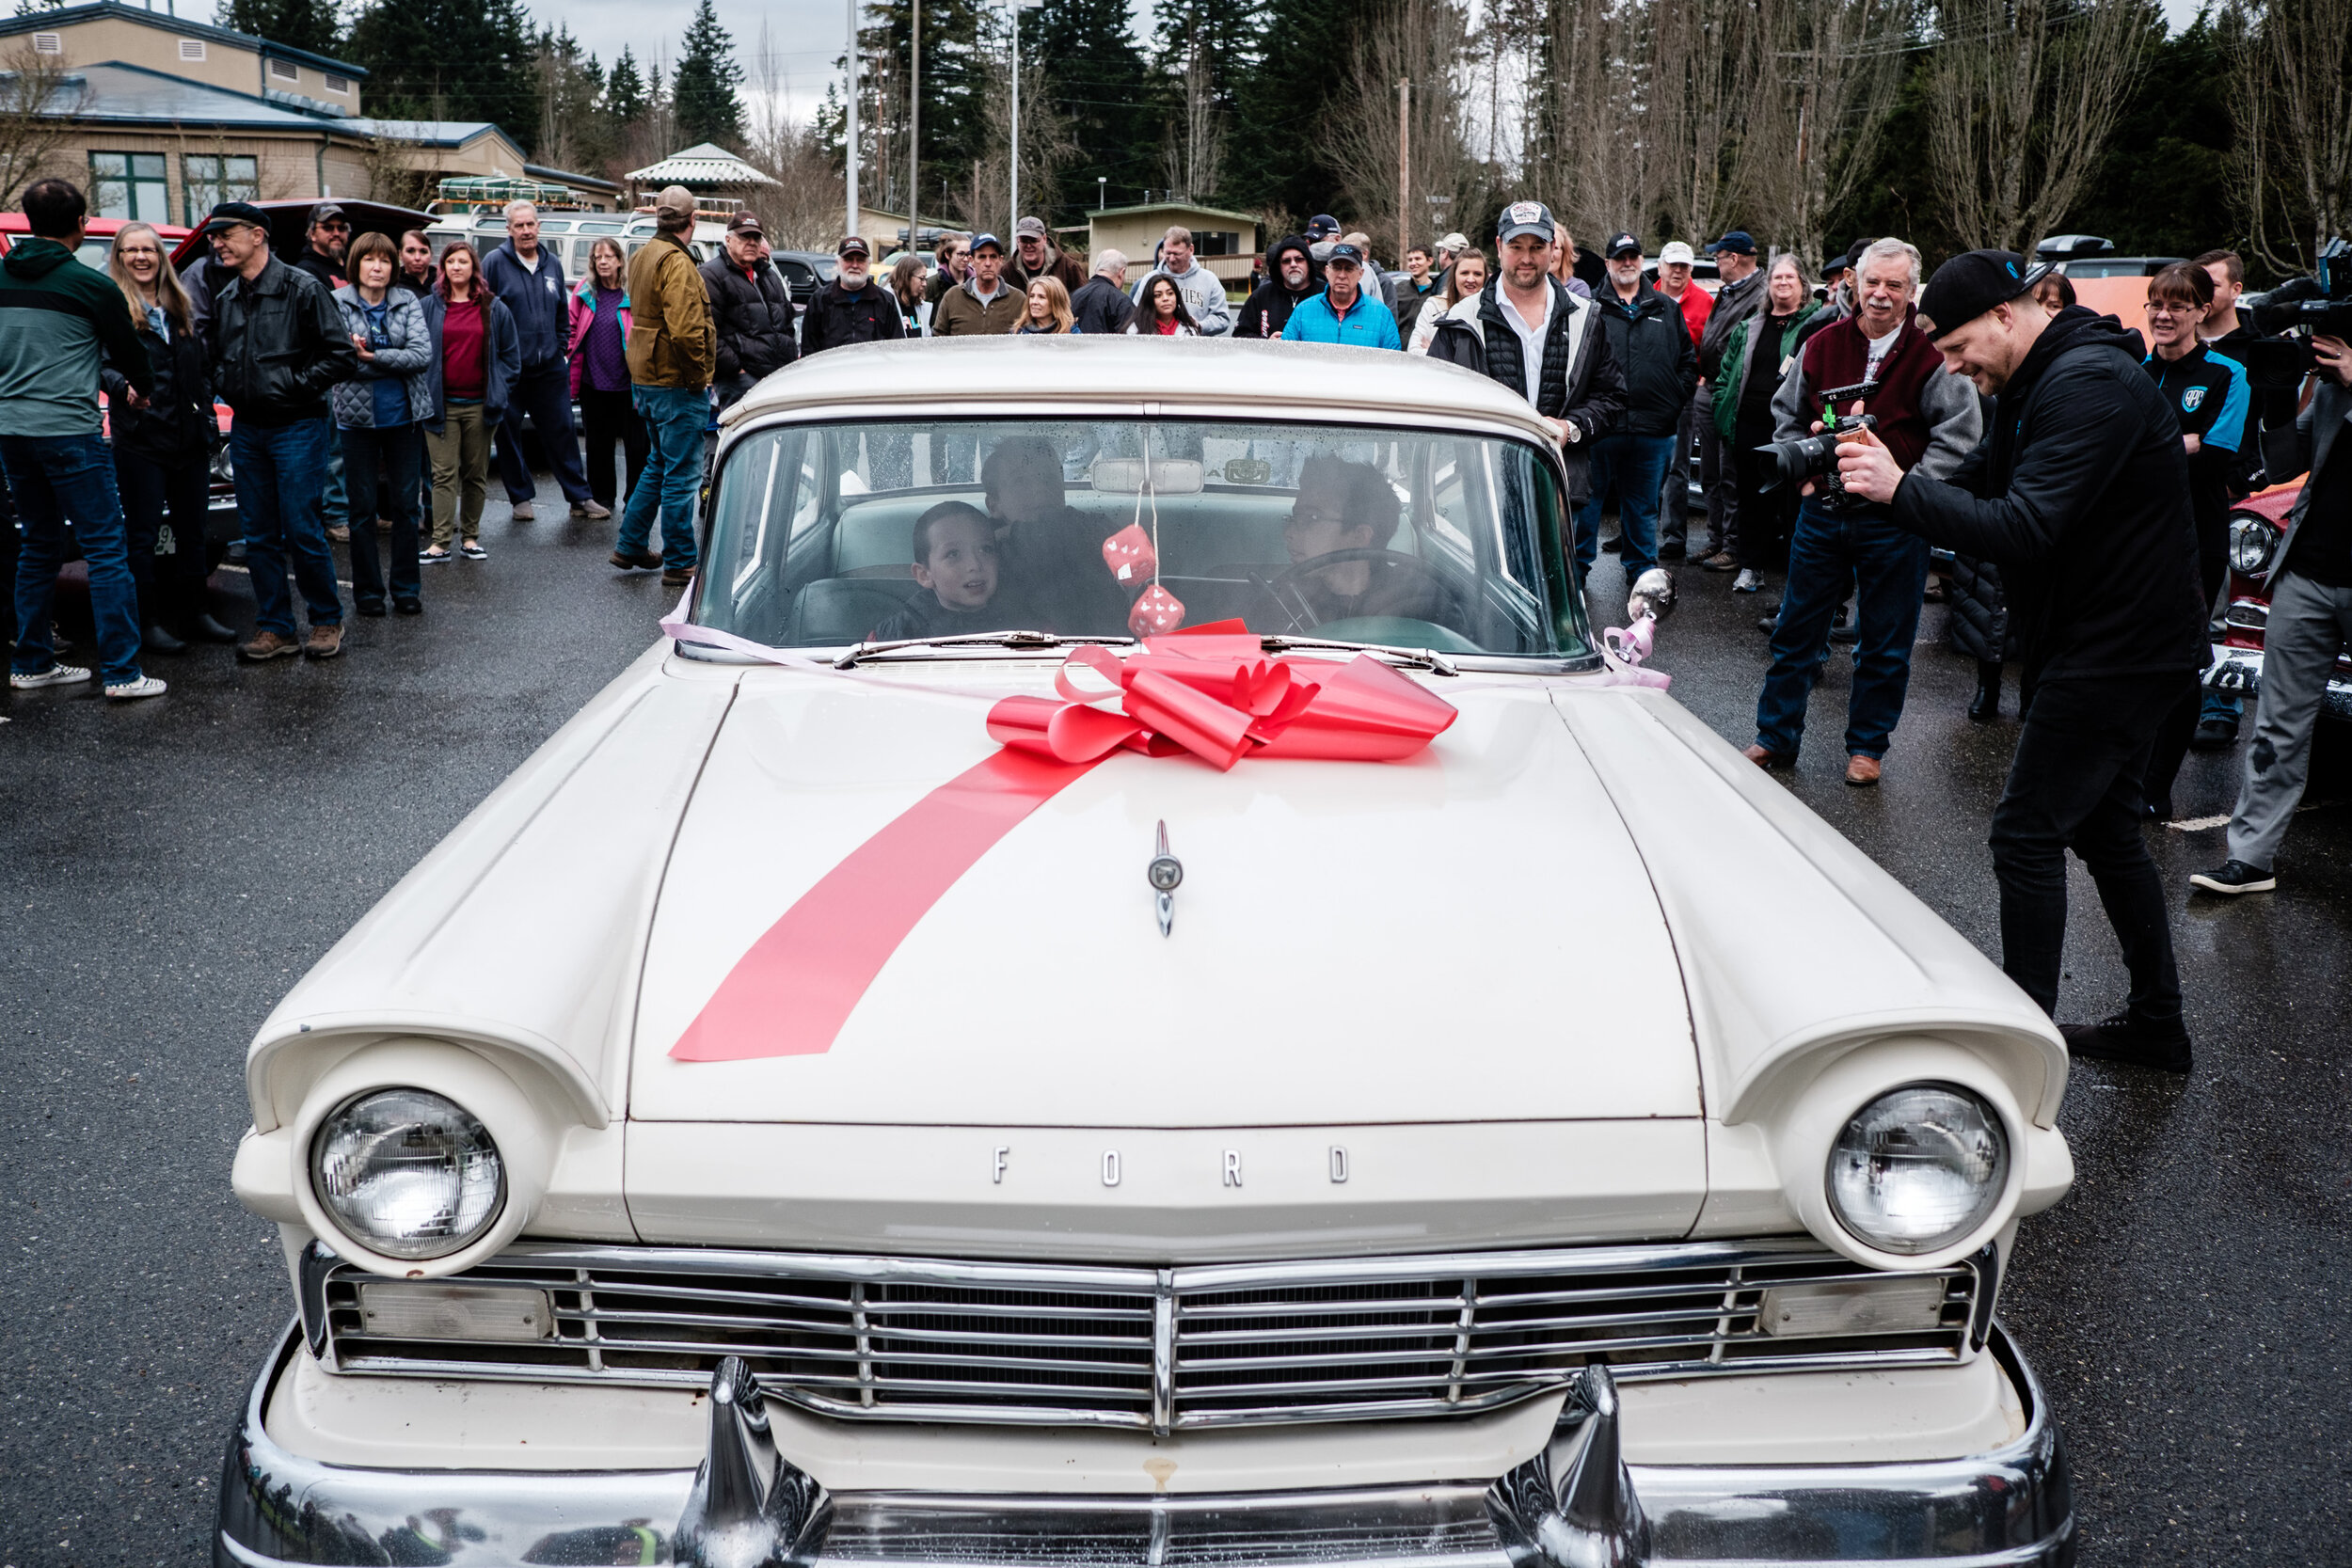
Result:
pixel 1652 596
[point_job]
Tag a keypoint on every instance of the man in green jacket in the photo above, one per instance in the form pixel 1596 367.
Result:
pixel 58 319
pixel 673 352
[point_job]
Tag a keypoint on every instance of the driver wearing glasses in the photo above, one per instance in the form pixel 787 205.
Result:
pixel 1341 570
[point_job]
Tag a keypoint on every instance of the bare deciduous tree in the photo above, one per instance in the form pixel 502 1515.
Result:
pixel 1708 60
pixel 2294 82
pixel 40 98
pixel 1591 155
pixel 1047 148
pixel 803 211
pixel 1192 153
pixel 1831 68
pixel 396 172
pixel 1428 44
pixel 2023 97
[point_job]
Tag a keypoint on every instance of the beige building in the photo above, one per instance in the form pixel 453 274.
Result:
pixel 1225 242
pixel 169 115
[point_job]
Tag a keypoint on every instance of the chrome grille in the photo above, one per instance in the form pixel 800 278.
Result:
pixel 927 1339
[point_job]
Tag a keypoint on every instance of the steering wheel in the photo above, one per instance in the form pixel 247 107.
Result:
pixel 1284 588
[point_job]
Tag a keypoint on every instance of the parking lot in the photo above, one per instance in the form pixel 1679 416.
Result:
pixel 175 865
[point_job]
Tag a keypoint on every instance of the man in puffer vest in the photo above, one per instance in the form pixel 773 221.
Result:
pixel 1930 419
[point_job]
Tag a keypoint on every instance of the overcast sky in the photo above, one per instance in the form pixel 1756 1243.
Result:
pixel 805 36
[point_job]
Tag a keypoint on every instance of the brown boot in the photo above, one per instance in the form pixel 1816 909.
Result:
pixel 1862 771
pixel 1763 758
pixel 325 643
pixel 269 644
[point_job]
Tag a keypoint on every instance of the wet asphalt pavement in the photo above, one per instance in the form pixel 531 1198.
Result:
pixel 173 867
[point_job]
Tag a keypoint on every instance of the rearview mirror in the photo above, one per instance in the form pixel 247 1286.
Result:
pixel 1169 476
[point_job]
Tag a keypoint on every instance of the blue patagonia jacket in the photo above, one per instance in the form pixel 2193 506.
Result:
pixel 1368 323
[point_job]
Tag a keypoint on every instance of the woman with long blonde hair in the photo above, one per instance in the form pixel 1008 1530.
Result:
pixel 163 451
pixel 1047 311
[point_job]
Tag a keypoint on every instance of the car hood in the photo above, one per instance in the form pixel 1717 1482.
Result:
pixel 1468 936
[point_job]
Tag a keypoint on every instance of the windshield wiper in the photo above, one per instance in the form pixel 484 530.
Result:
pixel 1429 658
pixel 977 638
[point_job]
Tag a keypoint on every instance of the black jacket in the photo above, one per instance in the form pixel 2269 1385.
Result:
pixel 277 343
pixel 1653 349
pixel 836 317
pixel 325 268
pixel 2079 492
pixel 177 426
pixel 1102 307
pixel 752 317
pixel 1734 303
pixel 1580 382
pixel 1268 308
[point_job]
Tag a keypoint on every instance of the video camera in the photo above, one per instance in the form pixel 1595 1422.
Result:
pixel 1815 456
pixel 2317 305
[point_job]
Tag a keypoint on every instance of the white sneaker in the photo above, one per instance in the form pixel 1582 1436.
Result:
pixel 57 674
pixel 146 685
pixel 1747 581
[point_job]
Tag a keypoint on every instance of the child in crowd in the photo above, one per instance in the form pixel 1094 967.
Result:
pixel 955 570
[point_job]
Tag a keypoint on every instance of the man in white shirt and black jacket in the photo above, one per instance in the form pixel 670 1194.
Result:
pixel 2080 491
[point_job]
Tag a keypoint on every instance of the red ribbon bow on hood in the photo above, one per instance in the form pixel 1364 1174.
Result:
pixel 1211 693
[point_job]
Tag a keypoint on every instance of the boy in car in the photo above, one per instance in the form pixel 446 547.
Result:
pixel 955 570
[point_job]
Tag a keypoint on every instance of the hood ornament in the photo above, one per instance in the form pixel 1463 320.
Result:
pixel 1166 873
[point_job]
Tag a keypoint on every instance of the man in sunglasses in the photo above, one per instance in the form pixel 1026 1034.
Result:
pixel 329 234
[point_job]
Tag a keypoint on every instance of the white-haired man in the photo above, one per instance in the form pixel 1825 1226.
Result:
pixel 1101 303
pixel 1929 418
pixel 528 279
pixel 1203 290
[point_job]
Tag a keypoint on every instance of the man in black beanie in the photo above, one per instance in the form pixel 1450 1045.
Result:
pixel 2080 491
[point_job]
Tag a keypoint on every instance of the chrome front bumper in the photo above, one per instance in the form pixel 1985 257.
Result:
pixel 1576 1504
pixel 2239 672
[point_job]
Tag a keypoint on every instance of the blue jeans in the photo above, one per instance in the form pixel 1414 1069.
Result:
pixel 1636 465
pixel 1830 550
pixel 674 417
pixel 281 475
pixel 55 479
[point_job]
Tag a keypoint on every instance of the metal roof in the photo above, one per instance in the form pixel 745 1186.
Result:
pixel 95 10
pixel 117 93
pixel 1217 377
pixel 706 165
pixel 432 133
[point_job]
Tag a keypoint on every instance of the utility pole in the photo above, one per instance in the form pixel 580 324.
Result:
pixel 1014 221
pixel 1404 168
pixel 849 148
pixel 914 125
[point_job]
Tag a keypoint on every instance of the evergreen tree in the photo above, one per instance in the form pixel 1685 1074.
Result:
pixel 310 25
pixel 1100 80
pixel 954 109
pixel 703 88
pixel 625 96
pixel 451 61
pixel 1274 157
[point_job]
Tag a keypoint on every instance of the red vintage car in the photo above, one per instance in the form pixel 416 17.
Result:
pixel 2257 524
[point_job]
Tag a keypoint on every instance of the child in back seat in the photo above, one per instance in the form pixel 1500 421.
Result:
pixel 955 573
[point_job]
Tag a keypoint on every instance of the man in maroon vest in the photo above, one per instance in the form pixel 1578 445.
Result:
pixel 1928 418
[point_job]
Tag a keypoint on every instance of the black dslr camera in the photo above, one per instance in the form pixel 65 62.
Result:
pixel 2294 313
pixel 1815 457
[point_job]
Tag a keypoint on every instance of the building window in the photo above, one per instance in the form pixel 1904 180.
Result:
pixel 212 178
pixel 338 83
pixel 284 70
pixel 129 185
pixel 191 49
pixel 47 44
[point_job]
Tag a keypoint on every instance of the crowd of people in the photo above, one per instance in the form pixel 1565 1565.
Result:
pixel 2078 472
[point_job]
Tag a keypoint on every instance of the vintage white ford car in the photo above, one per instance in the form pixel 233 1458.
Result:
pixel 1130 983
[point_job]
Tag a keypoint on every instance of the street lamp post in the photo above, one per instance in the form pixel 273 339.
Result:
pixel 1018 7
pixel 849 148
pixel 915 124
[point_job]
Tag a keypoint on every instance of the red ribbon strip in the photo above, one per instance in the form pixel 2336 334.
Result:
pixel 1207 693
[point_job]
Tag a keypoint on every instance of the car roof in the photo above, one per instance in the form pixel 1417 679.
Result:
pixel 1217 376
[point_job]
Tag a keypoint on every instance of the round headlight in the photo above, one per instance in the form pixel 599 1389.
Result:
pixel 407 1173
pixel 1918 1168
pixel 2251 542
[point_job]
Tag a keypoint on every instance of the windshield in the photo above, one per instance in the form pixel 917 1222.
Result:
pixel 829 535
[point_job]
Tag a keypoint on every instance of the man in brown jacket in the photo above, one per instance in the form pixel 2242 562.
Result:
pixel 1036 255
pixel 672 353
pixel 983 303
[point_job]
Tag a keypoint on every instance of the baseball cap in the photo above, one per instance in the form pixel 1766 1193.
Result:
pixel 744 223
pixel 227 215
pixel 1028 227
pixel 1321 225
pixel 1674 253
pixel 1622 244
pixel 1344 252
pixel 1968 285
pixel 1454 241
pixel 852 246
pixel 1525 217
pixel 1737 241
pixel 676 203
pixel 983 242
pixel 321 213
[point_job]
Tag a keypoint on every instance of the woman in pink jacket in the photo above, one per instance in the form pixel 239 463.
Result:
pixel 599 354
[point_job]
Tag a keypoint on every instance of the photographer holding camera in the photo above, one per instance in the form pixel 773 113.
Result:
pixel 1929 418
pixel 2081 493
pixel 2310 619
